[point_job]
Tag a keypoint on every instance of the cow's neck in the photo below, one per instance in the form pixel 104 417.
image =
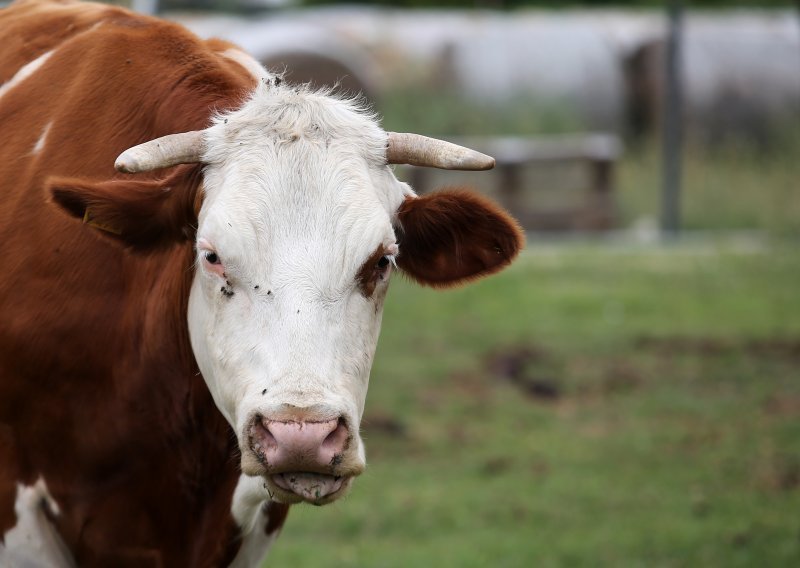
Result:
pixel 160 437
pixel 193 430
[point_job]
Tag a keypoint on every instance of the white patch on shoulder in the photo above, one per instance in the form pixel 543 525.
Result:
pixel 33 541
pixel 42 139
pixel 248 510
pixel 248 62
pixel 26 71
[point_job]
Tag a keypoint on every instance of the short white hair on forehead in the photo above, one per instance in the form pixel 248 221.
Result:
pixel 300 164
pixel 284 113
pixel 301 174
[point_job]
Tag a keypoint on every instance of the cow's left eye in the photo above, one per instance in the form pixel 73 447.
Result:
pixel 383 262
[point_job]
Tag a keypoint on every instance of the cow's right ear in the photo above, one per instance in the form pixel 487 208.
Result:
pixel 451 237
pixel 141 215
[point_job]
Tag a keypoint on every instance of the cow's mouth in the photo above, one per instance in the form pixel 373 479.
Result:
pixel 315 488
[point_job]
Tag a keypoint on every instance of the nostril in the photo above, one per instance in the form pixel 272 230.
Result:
pixel 266 435
pixel 335 441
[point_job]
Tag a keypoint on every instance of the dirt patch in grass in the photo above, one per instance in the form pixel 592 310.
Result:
pixel 548 376
pixel 779 473
pixel 530 368
pixel 385 424
pixel 620 376
pixel 784 348
pixel 783 405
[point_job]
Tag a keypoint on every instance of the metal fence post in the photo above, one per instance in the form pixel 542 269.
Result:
pixel 672 132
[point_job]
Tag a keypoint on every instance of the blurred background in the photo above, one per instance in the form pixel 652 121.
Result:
pixel 628 393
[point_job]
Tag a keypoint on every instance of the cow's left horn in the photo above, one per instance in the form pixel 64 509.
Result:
pixel 418 150
pixel 170 150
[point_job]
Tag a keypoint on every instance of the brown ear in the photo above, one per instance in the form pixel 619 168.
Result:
pixel 453 236
pixel 142 215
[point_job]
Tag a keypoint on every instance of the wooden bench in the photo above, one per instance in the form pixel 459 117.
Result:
pixel 513 181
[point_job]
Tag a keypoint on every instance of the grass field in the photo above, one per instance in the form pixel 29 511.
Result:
pixel 731 186
pixel 589 407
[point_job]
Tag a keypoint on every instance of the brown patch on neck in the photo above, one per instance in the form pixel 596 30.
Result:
pixel 276 516
pixel 366 274
pixel 10 475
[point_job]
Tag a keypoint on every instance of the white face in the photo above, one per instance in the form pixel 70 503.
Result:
pixel 294 252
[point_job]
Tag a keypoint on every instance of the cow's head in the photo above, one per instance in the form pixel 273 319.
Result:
pixel 301 224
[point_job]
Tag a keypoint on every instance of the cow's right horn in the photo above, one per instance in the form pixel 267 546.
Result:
pixel 418 150
pixel 170 150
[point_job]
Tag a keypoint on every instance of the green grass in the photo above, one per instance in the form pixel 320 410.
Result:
pixel 734 185
pixel 588 407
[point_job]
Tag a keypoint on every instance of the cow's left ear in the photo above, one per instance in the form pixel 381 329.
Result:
pixel 140 214
pixel 453 236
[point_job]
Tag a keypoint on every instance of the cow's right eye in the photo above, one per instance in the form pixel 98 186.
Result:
pixel 211 260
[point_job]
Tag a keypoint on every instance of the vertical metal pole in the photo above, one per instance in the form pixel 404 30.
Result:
pixel 798 10
pixel 671 123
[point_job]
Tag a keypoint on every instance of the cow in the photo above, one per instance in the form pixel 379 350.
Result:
pixel 195 260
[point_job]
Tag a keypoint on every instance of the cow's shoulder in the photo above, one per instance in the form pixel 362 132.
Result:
pixel 95 45
pixel 32 28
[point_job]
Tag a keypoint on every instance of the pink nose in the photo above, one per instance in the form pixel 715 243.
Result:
pixel 300 446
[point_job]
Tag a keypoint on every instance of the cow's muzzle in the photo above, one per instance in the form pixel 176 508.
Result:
pixel 304 459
